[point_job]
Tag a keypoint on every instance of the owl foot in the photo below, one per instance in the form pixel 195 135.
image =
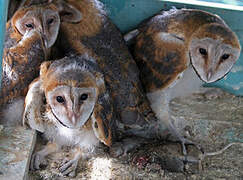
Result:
pixel 37 160
pixel 185 142
pixel 69 168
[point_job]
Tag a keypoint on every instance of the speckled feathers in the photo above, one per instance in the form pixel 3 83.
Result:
pixel 73 75
pixel 164 47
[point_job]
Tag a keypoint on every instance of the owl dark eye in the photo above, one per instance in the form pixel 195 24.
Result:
pixel 225 56
pixel 50 21
pixel 203 51
pixel 60 99
pixel 31 26
pixel 83 97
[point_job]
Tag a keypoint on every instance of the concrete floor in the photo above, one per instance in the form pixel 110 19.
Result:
pixel 16 147
pixel 213 123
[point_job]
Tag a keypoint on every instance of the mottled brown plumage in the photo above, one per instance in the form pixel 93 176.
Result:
pixel 29 36
pixel 96 36
pixel 70 104
pixel 177 50
pixel 22 55
pixel 14 5
pixel 162 45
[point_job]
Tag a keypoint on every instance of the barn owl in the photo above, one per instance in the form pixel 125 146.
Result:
pixel 70 104
pixel 30 34
pixel 99 38
pixel 179 50
pixel 14 5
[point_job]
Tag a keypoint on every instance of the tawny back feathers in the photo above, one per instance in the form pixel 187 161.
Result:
pixel 169 41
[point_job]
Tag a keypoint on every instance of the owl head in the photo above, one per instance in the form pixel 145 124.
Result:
pixel 213 50
pixel 70 92
pixel 44 18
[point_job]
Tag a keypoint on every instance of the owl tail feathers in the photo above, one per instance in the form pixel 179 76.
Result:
pixel 11 114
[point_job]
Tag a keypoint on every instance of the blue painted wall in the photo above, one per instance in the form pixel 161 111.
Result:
pixel 3 18
pixel 127 14
pixel 232 2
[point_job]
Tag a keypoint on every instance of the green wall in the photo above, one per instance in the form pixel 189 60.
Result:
pixel 3 18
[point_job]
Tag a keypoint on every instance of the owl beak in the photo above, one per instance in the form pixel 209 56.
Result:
pixel 209 75
pixel 74 119
pixel 45 41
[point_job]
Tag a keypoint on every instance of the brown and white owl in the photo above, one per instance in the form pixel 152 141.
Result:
pixel 14 5
pixel 97 36
pixel 30 34
pixel 179 50
pixel 70 104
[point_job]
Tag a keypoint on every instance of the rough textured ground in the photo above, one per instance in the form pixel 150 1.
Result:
pixel 213 123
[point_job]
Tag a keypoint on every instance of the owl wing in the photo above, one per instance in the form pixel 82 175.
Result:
pixel 103 118
pixel 161 57
pixel 33 106
pixel 21 65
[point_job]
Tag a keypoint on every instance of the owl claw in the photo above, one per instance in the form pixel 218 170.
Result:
pixel 37 160
pixel 185 142
pixel 69 168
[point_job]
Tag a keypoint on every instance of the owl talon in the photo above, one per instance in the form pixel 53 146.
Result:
pixel 69 168
pixel 65 160
pixel 184 149
pixel 185 142
pixel 37 160
pixel 72 174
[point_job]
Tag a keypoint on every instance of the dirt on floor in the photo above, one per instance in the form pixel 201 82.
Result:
pixel 212 121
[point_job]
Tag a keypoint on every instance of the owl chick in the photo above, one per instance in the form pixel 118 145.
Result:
pixel 14 5
pixel 99 38
pixel 30 34
pixel 69 103
pixel 179 50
